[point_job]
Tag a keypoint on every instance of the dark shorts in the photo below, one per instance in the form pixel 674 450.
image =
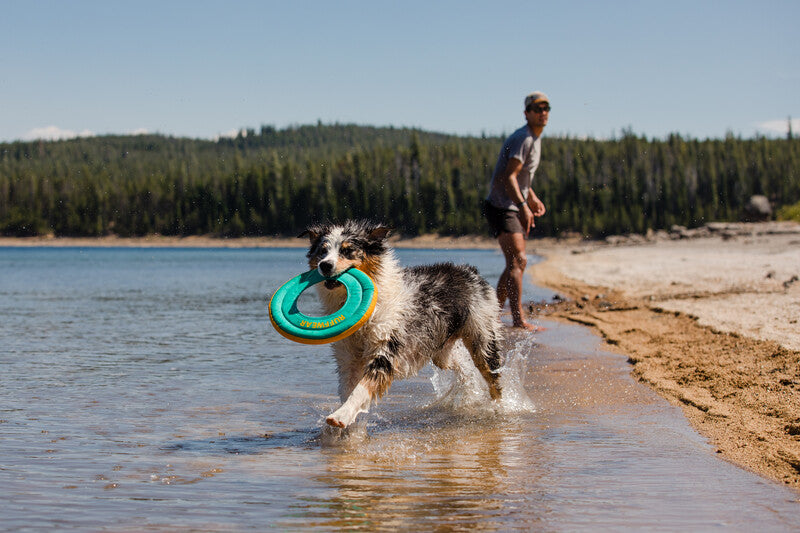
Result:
pixel 501 220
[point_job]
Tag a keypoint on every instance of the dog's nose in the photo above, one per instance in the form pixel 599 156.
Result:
pixel 326 268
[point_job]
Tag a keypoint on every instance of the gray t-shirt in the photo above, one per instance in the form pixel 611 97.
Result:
pixel 520 145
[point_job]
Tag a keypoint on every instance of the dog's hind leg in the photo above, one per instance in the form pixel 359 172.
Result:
pixel 375 382
pixel 443 357
pixel 484 347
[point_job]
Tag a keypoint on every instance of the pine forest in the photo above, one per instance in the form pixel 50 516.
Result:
pixel 276 181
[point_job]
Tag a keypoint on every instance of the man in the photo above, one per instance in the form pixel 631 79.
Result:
pixel 512 205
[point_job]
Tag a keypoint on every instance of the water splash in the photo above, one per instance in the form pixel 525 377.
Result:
pixel 463 389
pixel 461 398
pixel 353 435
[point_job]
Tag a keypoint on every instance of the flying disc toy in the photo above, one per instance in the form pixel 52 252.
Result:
pixel 294 325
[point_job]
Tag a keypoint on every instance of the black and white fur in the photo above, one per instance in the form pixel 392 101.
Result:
pixel 419 315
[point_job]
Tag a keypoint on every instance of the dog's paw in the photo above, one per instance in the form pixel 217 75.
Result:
pixel 335 422
pixel 343 416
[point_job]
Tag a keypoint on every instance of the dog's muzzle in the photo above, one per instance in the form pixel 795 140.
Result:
pixel 326 268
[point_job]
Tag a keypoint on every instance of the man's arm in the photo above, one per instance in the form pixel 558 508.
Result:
pixel 511 185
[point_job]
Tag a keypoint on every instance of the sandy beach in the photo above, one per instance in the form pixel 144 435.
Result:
pixel 710 320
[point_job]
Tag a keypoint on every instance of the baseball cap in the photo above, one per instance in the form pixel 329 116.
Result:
pixel 536 97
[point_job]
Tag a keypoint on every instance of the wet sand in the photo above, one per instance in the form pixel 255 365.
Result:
pixel 711 323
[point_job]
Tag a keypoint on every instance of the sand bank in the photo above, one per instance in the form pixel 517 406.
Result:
pixel 711 322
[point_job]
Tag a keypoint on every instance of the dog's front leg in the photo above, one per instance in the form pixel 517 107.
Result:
pixel 357 402
pixel 375 382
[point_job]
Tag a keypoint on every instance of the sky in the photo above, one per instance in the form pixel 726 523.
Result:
pixel 201 69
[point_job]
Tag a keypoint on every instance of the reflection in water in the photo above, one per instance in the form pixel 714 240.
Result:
pixel 455 474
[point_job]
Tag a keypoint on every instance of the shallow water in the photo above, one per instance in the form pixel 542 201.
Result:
pixel 145 388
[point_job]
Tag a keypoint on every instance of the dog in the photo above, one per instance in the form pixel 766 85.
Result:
pixel 419 315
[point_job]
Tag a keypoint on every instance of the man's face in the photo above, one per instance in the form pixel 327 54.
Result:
pixel 538 114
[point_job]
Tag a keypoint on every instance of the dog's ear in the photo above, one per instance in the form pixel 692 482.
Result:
pixel 380 233
pixel 312 232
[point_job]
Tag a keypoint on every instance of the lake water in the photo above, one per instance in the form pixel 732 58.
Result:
pixel 144 389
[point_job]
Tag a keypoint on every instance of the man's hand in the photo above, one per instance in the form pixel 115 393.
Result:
pixel 526 218
pixel 532 208
pixel 536 205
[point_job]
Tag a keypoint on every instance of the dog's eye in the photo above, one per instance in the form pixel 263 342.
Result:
pixel 348 252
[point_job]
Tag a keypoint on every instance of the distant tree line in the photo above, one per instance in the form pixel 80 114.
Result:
pixel 274 182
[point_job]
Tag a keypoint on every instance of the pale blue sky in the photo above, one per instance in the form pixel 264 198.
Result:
pixel 202 69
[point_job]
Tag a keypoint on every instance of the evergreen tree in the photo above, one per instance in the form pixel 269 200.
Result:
pixel 274 182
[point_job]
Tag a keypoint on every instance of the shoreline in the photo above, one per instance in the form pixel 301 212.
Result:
pixel 703 316
pixel 207 241
pixel 711 324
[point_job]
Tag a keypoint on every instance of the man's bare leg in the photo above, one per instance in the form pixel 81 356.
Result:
pixel 510 284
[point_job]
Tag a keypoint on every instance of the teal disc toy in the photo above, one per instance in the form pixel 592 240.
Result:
pixel 294 325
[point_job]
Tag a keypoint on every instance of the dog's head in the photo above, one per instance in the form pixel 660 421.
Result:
pixel 335 248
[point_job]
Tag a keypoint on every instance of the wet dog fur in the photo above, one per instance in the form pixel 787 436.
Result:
pixel 419 315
